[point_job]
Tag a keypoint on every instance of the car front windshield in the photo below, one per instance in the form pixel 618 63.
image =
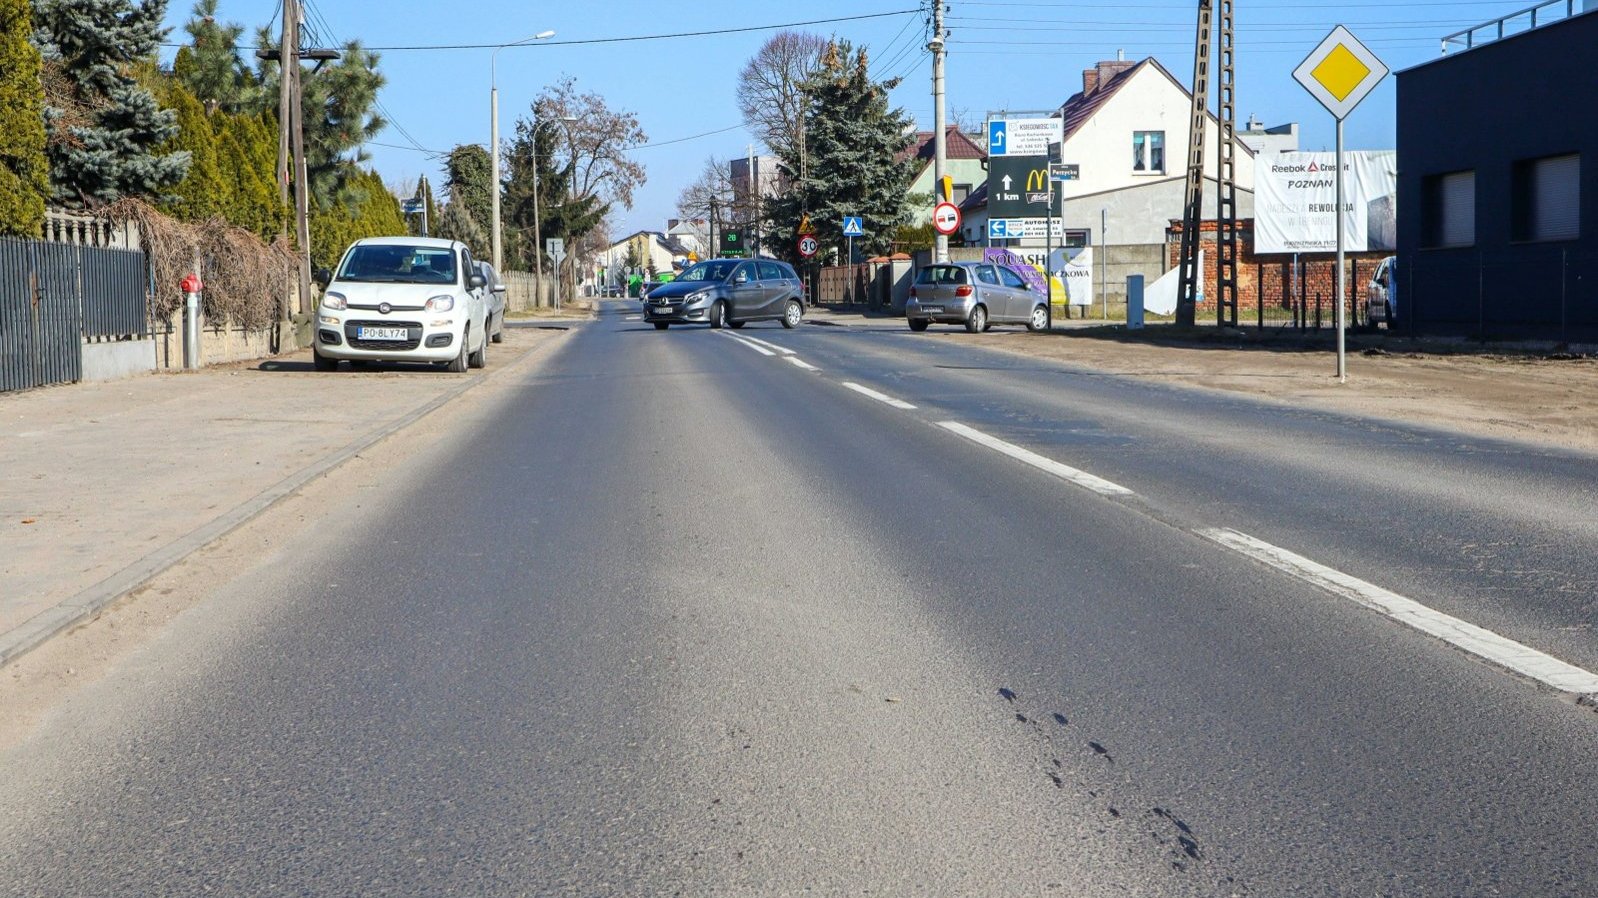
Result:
pixel 708 271
pixel 399 264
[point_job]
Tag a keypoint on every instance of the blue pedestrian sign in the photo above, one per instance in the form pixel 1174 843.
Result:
pixel 853 226
pixel 996 138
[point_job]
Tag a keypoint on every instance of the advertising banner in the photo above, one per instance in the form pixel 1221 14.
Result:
pixel 1296 193
pixel 1072 269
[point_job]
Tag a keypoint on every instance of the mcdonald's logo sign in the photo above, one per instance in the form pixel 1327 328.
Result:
pixel 1037 179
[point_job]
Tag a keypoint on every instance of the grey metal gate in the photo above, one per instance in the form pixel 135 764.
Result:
pixel 52 295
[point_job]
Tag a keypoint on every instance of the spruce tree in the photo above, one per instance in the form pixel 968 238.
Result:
pixel 560 214
pixel 210 66
pixel 852 165
pixel 104 139
pixel 24 168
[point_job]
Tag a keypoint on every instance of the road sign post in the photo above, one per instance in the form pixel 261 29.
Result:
pixel 1340 73
pixel 853 226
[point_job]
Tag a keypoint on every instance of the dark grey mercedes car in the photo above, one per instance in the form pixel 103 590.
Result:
pixel 728 293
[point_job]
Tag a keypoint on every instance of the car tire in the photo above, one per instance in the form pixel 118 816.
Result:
pixel 499 332
pixel 1039 319
pixel 736 324
pixel 479 359
pixel 662 325
pixel 322 362
pixel 977 321
pixel 919 324
pixel 718 315
pixel 458 364
pixel 1389 318
pixel 792 314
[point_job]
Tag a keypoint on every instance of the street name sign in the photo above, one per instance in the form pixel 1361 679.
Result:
pixel 1340 72
pixel 411 207
pixel 1061 171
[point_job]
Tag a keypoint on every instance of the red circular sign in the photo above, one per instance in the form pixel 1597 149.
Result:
pixel 946 218
pixel 191 283
pixel 808 246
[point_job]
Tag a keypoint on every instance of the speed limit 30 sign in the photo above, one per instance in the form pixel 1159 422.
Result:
pixel 808 245
pixel 946 218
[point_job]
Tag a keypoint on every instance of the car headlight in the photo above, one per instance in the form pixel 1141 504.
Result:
pixel 698 297
pixel 335 302
pixel 440 304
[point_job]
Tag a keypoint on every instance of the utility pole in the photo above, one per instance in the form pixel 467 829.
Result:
pixel 285 96
pixel 940 245
pixel 302 191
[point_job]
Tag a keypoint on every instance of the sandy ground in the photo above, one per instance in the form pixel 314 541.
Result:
pixel 1540 398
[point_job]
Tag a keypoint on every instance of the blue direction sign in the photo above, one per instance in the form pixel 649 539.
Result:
pixel 853 226
pixel 998 228
pixel 996 138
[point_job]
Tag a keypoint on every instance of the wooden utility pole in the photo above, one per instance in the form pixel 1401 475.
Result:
pixel 302 192
pixel 285 94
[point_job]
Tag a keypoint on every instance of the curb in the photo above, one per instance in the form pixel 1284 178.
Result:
pixel 89 602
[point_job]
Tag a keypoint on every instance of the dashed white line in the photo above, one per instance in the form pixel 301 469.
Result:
pixel 880 397
pixel 633 318
pixel 1483 643
pixel 801 363
pixel 782 349
pixel 1064 472
pixel 760 349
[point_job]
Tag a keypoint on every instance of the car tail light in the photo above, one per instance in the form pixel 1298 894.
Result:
pixel 912 293
pixel 963 290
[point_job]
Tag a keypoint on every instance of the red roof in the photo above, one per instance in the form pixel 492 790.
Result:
pixel 956 146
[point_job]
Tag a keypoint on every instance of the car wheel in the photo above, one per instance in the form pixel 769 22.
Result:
pixel 1039 320
pixel 919 324
pixel 977 322
pixel 718 315
pixel 499 332
pixel 736 324
pixel 1389 316
pixel 479 359
pixel 359 364
pixel 793 314
pixel 662 325
pixel 322 362
pixel 458 364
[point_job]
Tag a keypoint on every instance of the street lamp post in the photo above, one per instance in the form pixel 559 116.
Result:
pixel 493 139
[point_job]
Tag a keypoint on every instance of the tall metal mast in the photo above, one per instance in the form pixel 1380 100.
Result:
pixel 1226 181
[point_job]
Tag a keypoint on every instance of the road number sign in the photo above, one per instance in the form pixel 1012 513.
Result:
pixel 946 218
pixel 808 246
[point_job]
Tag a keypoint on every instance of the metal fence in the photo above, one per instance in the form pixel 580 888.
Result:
pixel 53 295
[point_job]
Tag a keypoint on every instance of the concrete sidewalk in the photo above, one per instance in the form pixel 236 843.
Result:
pixel 108 484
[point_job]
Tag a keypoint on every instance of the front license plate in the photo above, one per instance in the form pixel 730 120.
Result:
pixel 381 333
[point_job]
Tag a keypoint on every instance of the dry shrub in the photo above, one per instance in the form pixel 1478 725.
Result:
pixel 246 281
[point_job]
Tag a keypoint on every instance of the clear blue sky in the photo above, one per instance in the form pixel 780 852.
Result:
pixel 1003 55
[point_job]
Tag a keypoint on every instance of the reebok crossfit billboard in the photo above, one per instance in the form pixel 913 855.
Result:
pixel 1296 193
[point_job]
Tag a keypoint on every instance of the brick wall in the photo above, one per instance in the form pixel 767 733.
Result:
pixel 1271 279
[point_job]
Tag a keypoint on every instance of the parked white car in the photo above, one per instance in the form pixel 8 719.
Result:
pixel 403 299
pixel 494 296
pixel 1381 294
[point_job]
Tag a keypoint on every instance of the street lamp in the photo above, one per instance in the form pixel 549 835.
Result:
pixel 493 139
pixel 538 236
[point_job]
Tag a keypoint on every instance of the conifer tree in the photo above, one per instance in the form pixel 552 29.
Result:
pixel 469 170
pixel 210 66
pixel 104 138
pixel 24 168
pixel 852 165
pixel 455 223
pixel 203 193
pixel 246 156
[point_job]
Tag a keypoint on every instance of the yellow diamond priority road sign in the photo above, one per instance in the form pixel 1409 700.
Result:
pixel 1340 72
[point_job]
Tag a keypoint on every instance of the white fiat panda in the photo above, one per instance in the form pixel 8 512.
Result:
pixel 402 299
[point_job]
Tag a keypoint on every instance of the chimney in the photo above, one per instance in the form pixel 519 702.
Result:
pixel 1109 69
pixel 672 223
pixel 1090 81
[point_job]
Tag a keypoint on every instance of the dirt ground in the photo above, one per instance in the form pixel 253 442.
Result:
pixel 1546 398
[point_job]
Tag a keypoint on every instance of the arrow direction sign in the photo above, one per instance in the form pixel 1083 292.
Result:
pixel 996 138
pixel 1006 182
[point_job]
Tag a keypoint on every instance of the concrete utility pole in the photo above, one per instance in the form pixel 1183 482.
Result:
pixel 940 246
pixel 493 148
pixel 285 96
pixel 291 135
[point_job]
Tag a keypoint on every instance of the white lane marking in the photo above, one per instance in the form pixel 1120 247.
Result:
pixel 795 360
pixel 1064 472
pixel 760 349
pixel 633 318
pixel 880 397
pixel 1504 652
pixel 782 349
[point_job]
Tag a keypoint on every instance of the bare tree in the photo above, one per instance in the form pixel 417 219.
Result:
pixel 713 188
pixel 770 87
pixel 594 156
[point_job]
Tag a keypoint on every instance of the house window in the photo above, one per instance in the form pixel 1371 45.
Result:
pixel 1448 214
pixel 1077 239
pixel 959 193
pixel 1546 204
pixel 1148 152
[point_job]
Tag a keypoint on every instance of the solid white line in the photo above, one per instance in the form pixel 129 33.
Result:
pixel 802 363
pixel 1064 472
pixel 1521 659
pixel 633 318
pixel 880 397
pixel 760 349
pixel 782 349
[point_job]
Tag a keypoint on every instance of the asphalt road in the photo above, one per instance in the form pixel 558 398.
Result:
pixel 675 615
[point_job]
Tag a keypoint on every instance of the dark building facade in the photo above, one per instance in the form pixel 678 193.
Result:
pixel 1498 187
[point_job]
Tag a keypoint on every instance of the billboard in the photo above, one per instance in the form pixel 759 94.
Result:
pixel 1295 195
pixel 1072 269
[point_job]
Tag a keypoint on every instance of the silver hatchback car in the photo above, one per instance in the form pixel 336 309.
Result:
pixel 975 294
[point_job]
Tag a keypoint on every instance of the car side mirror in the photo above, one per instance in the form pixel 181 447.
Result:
pixel 740 278
pixel 475 281
pixel 323 277
pixel 499 288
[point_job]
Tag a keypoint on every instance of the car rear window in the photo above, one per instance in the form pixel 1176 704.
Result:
pixel 941 274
